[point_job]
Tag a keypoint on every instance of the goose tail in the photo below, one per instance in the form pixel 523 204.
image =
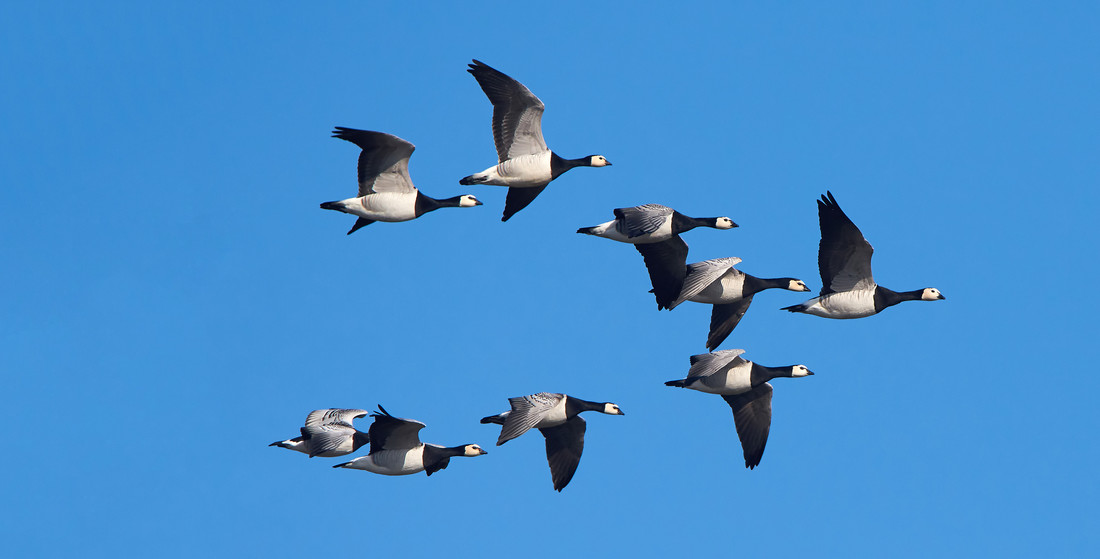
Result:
pixel 801 307
pixel 331 206
pixel 496 419
pixel 478 178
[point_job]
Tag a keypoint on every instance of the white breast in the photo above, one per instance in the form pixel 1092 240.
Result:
pixel 846 304
pixel 730 380
pixel 554 417
pixel 727 289
pixel 734 380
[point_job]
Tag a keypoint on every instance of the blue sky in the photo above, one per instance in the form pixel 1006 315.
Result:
pixel 175 300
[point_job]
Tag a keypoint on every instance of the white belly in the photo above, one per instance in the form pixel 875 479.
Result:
pixel 391 462
pixel 525 171
pixel 384 206
pixel 846 304
pixel 728 289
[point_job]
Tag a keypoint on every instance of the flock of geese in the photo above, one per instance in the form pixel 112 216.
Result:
pixel 526 166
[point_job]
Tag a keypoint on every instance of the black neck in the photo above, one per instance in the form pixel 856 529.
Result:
pixel 887 298
pixel 559 165
pixel 573 406
pixel 425 203
pixel 761 374
pixel 681 222
pixel 433 454
pixel 754 284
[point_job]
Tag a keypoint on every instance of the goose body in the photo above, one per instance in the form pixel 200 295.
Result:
pixel 654 230
pixel 396 450
pixel 844 260
pixel 651 223
pixel 524 163
pixel 744 386
pixel 328 433
pixel 557 417
pixel 717 282
pixel 386 192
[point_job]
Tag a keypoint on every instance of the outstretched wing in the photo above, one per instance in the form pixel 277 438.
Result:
pixel 527 411
pixel 393 433
pixel 564 445
pixel 752 413
pixel 724 318
pixel 667 265
pixel 517 113
pixel 641 220
pixel 844 256
pixel 706 364
pixel 383 163
pixel 519 198
pixel 328 429
pixel 334 416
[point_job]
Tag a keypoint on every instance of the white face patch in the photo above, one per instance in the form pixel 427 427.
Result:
pixel 612 409
pixel 474 450
pixel 801 371
pixel 931 294
pixel 468 201
pixel 598 161
pixel 723 223
pixel 798 285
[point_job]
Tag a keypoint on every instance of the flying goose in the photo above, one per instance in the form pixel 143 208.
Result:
pixel 844 258
pixel 655 230
pixel 556 415
pixel 730 290
pixel 396 450
pixel 328 433
pixel 744 386
pixel 525 164
pixel 386 193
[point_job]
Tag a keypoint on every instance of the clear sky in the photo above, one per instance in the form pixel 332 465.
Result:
pixel 174 300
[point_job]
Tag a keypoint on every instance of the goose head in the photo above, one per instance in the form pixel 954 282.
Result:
pixel 611 409
pixel 796 285
pixel 800 371
pixel 472 450
pixel 931 294
pixel 598 161
pixel 468 201
pixel 724 223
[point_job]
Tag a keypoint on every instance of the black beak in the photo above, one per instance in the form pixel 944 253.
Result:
pixel 941 296
pixel 478 203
